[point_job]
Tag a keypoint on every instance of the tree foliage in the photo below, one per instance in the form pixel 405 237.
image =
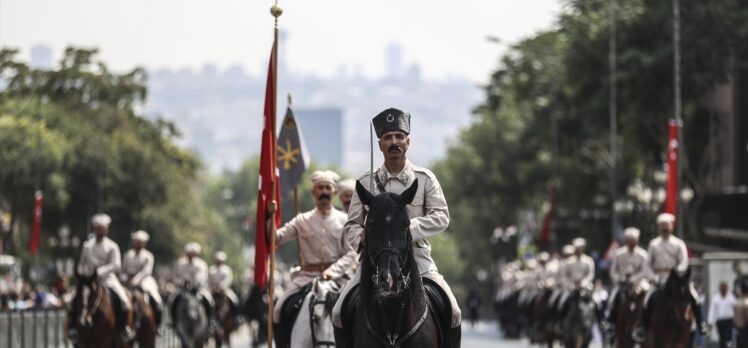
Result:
pixel 500 169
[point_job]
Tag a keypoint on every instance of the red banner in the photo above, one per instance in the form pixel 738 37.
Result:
pixel 671 200
pixel 268 178
pixel 36 223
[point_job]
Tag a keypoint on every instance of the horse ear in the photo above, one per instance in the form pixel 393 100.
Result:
pixel 365 196
pixel 408 195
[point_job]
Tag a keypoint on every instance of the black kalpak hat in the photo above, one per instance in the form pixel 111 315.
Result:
pixel 391 120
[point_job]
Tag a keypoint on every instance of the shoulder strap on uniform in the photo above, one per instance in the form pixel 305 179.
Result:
pixel 379 183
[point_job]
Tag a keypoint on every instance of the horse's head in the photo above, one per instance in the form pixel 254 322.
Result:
pixel 323 298
pixel 388 242
pixel 87 298
pixel 677 286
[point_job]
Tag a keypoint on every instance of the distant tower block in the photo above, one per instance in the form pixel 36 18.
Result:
pixel 323 134
pixel 41 57
pixel 394 61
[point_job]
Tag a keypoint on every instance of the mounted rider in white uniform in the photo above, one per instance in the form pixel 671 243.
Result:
pixel 137 266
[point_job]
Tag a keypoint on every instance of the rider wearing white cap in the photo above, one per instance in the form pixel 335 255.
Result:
pixel 101 256
pixel 667 252
pixel 345 193
pixel 320 241
pixel 192 272
pixel 220 278
pixel 137 266
pixel 629 267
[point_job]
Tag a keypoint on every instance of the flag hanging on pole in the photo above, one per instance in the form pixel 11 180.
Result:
pixel 36 223
pixel 268 179
pixel 293 157
pixel 671 200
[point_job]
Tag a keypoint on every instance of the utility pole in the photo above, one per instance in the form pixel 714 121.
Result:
pixel 678 110
pixel 612 100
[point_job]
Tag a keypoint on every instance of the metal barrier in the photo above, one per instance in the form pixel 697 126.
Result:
pixel 46 328
pixel 32 328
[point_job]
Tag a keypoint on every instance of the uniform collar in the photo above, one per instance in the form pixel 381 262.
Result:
pixel 404 176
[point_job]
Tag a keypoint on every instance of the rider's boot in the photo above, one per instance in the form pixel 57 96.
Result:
pixel 700 324
pixel 212 322
pixel 280 337
pixel 158 313
pixel 641 330
pixel 455 336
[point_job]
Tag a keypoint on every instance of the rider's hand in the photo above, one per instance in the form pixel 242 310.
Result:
pixel 328 274
pixel 272 207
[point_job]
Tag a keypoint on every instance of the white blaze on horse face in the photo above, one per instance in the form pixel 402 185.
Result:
pixel 390 280
pixel 388 218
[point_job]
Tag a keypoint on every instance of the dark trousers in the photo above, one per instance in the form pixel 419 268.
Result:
pixel 724 328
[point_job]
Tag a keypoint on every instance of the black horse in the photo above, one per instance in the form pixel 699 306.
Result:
pixel 255 310
pixel 392 308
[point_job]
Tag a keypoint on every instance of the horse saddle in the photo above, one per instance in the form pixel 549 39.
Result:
pixel 290 310
pixel 436 298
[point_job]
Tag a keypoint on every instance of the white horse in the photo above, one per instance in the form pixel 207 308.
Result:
pixel 313 326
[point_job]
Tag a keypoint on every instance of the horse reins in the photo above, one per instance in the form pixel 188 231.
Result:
pixel 392 340
pixel 314 302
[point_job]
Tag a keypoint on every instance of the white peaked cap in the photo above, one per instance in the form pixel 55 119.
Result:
pixel 347 185
pixel 220 256
pixel 631 232
pixel 325 176
pixel 579 243
pixel 101 220
pixel 193 247
pixel 665 218
pixel 140 235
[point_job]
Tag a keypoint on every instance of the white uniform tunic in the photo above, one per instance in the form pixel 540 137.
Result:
pixel 629 265
pixel 666 254
pixel 579 271
pixel 428 214
pixel 193 274
pixel 321 247
pixel 219 280
pixel 138 267
pixel 104 258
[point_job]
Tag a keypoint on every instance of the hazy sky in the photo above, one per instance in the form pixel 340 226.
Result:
pixel 444 37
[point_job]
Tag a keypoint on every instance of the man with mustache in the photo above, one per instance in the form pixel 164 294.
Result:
pixel 428 212
pixel 321 244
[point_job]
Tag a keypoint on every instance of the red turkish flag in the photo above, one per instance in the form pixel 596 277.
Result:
pixel 268 178
pixel 36 223
pixel 671 200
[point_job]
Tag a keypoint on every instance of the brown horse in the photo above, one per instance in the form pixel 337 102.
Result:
pixel 628 310
pixel 225 318
pixel 145 319
pixel 93 315
pixel 672 316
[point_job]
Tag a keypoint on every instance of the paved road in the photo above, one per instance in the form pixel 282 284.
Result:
pixel 483 335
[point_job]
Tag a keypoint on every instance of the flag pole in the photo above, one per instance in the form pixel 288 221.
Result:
pixel 276 11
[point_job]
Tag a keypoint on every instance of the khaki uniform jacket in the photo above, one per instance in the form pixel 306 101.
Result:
pixel 220 277
pixel 666 254
pixel 193 273
pixel 321 241
pixel 580 270
pixel 629 263
pixel 428 212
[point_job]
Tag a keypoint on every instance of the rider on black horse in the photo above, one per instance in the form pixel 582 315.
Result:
pixel 137 266
pixel 629 267
pixel 667 252
pixel 101 256
pixel 428 212
pixel 191 272
pixel 321 248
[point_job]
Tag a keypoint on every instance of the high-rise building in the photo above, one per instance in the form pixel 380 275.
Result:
pixel 323 134
pixel 41 57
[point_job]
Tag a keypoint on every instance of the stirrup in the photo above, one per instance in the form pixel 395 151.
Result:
pixel 638 335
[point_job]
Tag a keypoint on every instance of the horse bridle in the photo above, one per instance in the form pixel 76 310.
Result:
pixel 313 301
pixel 392 251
